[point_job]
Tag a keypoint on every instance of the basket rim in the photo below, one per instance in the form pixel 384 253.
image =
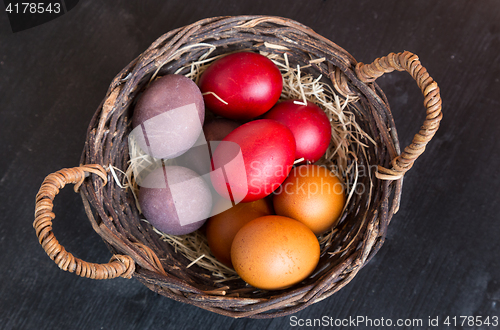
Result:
pixel 111 117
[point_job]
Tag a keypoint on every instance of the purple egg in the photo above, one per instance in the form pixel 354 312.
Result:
pixel 198 157
pixel 168 116
pixel 175 200
pixel 218 128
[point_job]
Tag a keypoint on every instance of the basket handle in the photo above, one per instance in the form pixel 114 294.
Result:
pixel 409 62
pixel 119 265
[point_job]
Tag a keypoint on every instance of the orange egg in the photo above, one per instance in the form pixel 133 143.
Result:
pixel 222 227
pixel 274 252
pixel 313 195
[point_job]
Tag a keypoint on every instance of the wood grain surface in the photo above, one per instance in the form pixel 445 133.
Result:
pixel 442 254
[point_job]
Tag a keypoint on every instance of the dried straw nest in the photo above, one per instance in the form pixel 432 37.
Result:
pixel 297 85
pixel 364 151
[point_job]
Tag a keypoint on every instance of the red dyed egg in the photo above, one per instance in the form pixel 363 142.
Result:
pixel 253 160
pixel 309 124
pixel 246 84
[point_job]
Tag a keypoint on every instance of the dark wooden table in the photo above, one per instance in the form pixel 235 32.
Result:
pixel 441 259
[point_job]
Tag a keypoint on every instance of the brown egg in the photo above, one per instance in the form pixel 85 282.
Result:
pixel 274 252
pixel 227 221
pixel 312 195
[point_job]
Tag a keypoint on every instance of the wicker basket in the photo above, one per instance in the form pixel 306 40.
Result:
pixel 138 251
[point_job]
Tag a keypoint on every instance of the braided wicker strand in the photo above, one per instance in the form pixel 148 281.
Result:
pixel 409 62
pixel 119 265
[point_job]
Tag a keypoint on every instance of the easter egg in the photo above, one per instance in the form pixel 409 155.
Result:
pixel 274 252
pixel 218 128
pixel 313 195
pixel 228 220
pixel 241 85
pixel 197 157
pixel 168 117
pixel 175 200
pixel 309 124
pixel 253 160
